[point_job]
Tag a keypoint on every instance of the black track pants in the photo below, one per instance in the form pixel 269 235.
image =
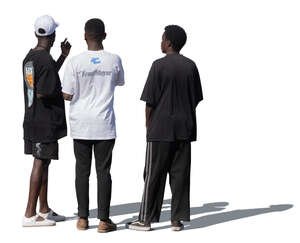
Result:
pixel 162 158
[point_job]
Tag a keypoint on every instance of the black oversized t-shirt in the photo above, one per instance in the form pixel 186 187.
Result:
pixel 44 119
pixel 173 90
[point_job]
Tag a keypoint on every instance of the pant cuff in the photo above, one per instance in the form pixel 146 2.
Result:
pixel 83 213
pixel 186 219
pixel 103 215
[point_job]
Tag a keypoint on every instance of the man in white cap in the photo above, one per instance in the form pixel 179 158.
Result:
pixel 44 119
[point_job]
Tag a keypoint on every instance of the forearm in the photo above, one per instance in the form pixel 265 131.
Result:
pixel 60 61
pixel 46 97
pixel 148 112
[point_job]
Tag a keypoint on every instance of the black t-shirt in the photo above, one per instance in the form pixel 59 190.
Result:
pixel 173 90
pixel 44 119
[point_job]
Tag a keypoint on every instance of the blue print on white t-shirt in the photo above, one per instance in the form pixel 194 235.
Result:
pixel 95 60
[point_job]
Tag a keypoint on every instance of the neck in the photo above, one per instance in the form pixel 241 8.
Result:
pixel 43 45
pixel 94 46
pixel 171 52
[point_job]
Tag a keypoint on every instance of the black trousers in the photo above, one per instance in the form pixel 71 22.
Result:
pixel 163 158
pixel 103 157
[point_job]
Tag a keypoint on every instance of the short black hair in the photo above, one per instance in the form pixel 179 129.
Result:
pixel 95 28
pixel 176 35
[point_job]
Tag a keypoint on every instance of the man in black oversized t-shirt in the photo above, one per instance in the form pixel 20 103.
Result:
pixel 172 93
pixel 44 119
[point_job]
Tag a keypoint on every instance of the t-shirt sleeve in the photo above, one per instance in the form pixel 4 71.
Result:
pixel 69 80
pixel 120 73
pixel 47 82
pixel 151 91
pixel 197 88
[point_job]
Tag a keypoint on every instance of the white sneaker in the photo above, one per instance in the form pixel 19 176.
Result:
pixel 52 216
pixel 177 226
pixel 138 225
pixel 32 222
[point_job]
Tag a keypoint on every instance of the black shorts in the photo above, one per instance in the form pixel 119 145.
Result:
pixel 41 150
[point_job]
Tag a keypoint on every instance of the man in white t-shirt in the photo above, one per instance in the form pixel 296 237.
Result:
pixel 89 82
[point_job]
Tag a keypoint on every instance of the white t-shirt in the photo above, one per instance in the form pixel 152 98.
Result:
pixel 91 78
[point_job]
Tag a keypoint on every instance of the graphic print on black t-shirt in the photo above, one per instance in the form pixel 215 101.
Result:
pixel 44 118
pixel 29 77
pixel 173 90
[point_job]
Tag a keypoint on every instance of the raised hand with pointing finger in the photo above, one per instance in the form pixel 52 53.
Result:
pixel 65 50
pixel 65 47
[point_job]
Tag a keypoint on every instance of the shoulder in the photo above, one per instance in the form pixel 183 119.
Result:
pixel 45 59
pixel 43 62
pixel 167 59
pixel 77 58
pixel 159 61
pixel 188 61
pixel 114 57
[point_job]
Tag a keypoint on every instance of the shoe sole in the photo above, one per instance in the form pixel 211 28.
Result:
pixel 105 230
pixel 46 225
pixel 82 228
pixel 177 228
pixel 138 228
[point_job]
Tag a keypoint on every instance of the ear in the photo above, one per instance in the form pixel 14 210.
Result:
pixel 104 36
pixel 84 35
pixel 168 43
pixel 53 36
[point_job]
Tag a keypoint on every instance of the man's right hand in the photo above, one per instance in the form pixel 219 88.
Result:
pixel 67 96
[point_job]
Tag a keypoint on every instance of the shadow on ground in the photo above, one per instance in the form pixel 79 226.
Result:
pixel 195 223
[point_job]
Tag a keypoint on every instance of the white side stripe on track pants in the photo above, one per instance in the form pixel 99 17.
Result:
pixel 148 165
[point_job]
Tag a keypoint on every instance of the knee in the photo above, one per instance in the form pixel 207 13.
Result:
pixel 82 174
pixel 37 164
pixel 103 175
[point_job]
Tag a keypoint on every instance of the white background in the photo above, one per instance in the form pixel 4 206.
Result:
pixel 247 152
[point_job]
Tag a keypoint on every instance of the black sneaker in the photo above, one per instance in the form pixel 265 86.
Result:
pixel 177 225
pixel 138 225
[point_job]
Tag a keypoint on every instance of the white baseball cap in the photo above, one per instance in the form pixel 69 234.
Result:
pixel 45 25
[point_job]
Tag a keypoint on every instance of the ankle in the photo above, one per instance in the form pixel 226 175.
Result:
pixel 30 214
pixel 45 210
